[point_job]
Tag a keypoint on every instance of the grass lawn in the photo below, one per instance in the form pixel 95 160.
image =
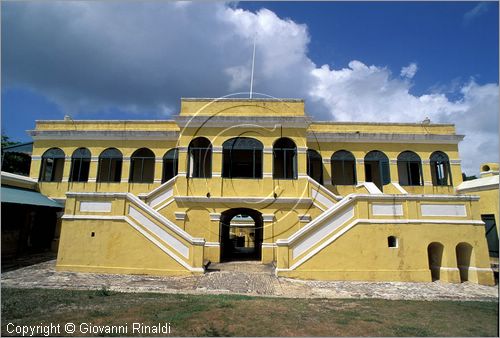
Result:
pixel 232 315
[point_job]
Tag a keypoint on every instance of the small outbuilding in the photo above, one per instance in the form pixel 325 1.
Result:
pixel 29 218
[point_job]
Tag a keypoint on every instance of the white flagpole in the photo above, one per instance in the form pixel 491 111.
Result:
pixel 253 64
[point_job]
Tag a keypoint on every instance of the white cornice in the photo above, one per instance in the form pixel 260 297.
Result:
pixel 383 137
pixel 103 135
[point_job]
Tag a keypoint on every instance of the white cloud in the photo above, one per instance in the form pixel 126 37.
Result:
pixel 409 71
pixel 142 57
pixel 476 11
pixel 370 93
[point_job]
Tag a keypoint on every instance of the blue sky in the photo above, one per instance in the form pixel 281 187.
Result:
pixel 447 46
pixel 360 61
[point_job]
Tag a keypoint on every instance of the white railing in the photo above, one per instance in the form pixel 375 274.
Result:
pixel 161 196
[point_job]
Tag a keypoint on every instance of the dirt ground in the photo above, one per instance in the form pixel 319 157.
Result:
pixel 248 278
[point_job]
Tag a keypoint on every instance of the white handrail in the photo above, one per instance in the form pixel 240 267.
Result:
pixel 165 221
pixel 323 189
pixel 160 188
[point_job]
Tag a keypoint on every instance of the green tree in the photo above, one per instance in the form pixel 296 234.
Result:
pixel 12 162
pixel 7 142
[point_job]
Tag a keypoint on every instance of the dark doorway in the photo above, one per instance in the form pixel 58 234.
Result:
pixel 491 234
pixel 377 169
pixel 241 235
pixel 464 255
pixel 435 256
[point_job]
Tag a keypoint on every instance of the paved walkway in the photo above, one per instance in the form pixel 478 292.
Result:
pixel 249 278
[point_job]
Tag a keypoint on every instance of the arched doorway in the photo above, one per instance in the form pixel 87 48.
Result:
pixel 464 254
pixel 241 235
pixel 435 255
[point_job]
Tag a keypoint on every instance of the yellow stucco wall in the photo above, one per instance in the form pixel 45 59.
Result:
pixel 114 248
pixel 488 203
pixel 375 261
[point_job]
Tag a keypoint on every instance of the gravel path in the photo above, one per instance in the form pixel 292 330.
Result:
pixel 249 278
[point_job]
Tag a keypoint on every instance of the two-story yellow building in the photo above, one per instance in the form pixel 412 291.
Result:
pixel 327 200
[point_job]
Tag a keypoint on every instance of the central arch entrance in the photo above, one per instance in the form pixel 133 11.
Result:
pixel 241 235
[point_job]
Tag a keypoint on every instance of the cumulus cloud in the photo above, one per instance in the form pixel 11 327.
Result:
pixel 370 93
pixel 409 71
pixel 140 58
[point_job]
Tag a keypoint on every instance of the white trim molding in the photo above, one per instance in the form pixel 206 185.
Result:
pixel 399 187
pixel 450 210
pixel 362 137
pixel 159 232
pixel 266 218
pixel 322 232
pixel 370 187
pixel 91 206
pixel 180 215
pixel 306 218
pixel 385 209
pixel 215 216
pixel 103 134
pixel 161 198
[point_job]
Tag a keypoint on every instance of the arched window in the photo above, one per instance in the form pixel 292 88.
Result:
pixel 200 158
pixel 242 158
pixel 284 159
pixel 315 165
pixel 410 169
pixel 440 169
pixel 80 165
pixel 142 166
pixel 377 168
pixel 343 168
pixel 170 164
pixel 51 169
pixel 110 166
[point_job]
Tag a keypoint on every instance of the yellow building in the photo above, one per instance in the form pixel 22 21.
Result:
pixel 486 187
pixel 328 200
